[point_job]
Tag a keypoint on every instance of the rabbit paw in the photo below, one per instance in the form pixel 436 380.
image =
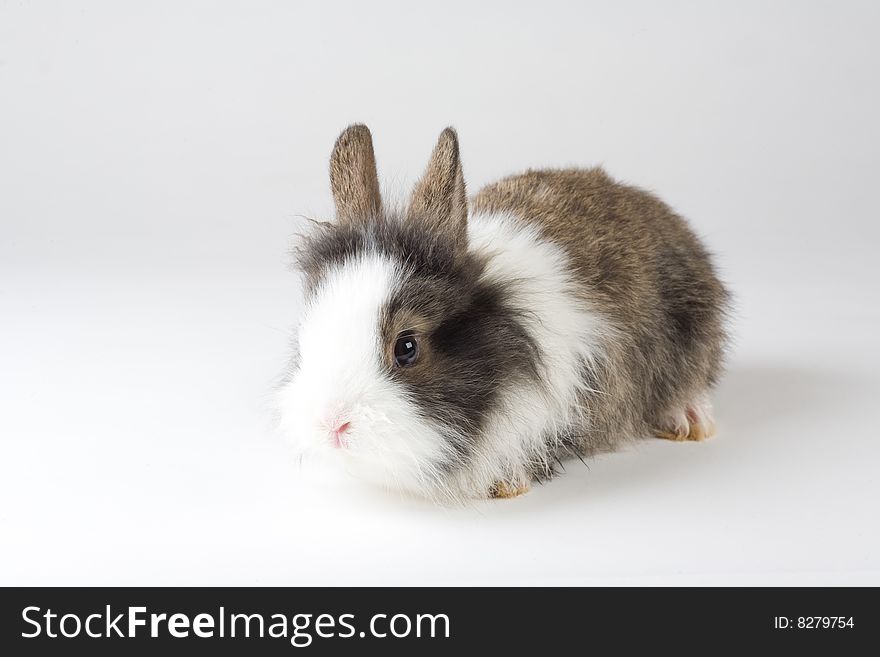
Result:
pixel 501 490
pixel 693 422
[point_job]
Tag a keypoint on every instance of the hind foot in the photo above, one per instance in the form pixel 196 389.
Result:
pixel 693 422
pixel 501 490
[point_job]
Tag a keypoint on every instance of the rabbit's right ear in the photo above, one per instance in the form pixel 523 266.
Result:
pixel 353 176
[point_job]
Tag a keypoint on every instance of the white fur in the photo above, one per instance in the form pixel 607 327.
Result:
pixel 568 333
pixel 342 377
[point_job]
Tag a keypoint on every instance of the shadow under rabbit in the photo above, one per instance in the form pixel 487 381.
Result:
pixel 754 405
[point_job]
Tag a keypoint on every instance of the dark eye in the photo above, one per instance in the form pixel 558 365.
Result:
pixel 406 350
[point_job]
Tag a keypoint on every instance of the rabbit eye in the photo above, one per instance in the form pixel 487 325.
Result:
pixel 406 350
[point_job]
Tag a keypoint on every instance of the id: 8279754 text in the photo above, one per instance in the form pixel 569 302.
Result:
pixel 813 622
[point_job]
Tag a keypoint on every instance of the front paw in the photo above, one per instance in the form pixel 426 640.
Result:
pixel 502 490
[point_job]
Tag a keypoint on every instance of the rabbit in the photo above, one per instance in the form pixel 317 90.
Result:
pixel 461 349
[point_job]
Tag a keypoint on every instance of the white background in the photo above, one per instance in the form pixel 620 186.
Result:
pixel 154 158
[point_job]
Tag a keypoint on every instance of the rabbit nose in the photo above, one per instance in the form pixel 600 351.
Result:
pixel 338 429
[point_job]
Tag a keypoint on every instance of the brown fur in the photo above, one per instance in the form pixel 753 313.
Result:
pixel 646 272
pixel 353 177
pixel 439 199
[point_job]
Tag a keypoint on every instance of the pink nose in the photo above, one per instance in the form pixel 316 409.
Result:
pixel 338 432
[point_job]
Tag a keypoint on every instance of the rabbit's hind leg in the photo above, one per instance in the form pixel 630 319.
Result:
pixel 691 422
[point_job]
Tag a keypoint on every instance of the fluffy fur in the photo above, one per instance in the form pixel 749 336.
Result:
pixel 340 377
pixel 564 314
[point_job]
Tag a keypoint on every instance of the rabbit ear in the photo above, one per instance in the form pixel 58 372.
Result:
pixel 439 198
pixel 353 176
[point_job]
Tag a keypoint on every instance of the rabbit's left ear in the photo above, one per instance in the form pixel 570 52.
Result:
pixel 439 199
